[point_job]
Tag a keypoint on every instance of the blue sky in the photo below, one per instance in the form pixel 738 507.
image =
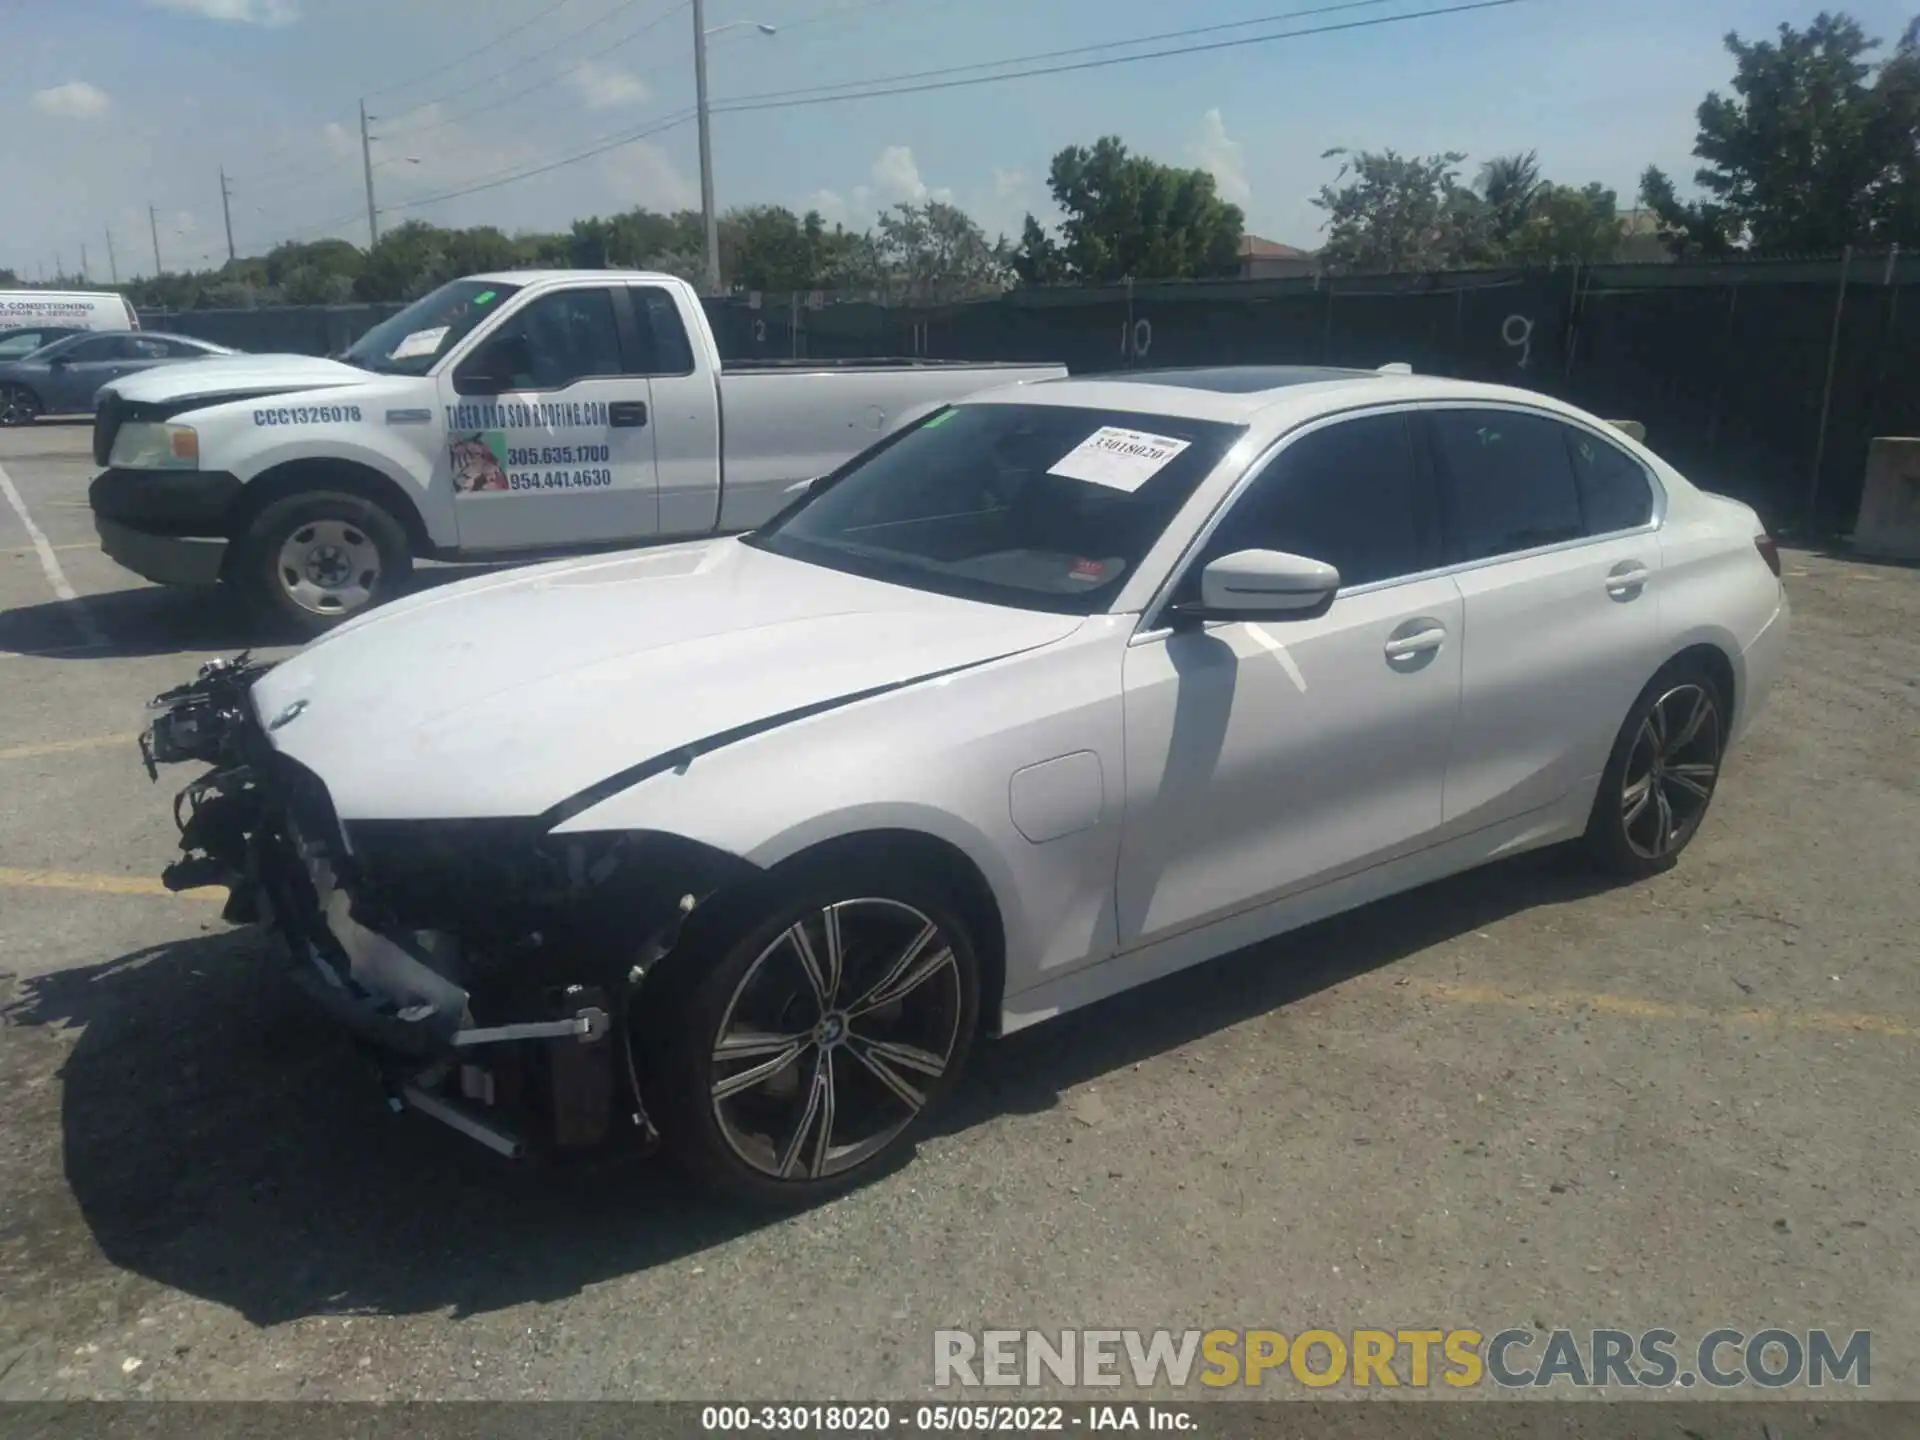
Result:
pixel 110 106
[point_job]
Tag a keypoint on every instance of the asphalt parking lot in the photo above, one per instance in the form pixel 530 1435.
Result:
pixel 1515 1098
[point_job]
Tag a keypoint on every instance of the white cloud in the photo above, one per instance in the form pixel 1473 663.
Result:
pixel 1008 183
pixel 335 137
pixel 644 174
pixel 244 12
pixel 831 204
pixel 75 100
pixel 896 179
pixel 608 87
pixel 1220 154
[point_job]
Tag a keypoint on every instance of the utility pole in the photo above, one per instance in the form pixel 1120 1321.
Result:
pixel 153 225
pixel 707 211
pixel 113 265
pixel 83 260
pixel 59 268
pixel 226 211
pixel 366 161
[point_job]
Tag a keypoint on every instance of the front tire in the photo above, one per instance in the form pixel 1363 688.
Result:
pixel 1661 775
pixel 794 1052
pixel 312 560
pixel 18 406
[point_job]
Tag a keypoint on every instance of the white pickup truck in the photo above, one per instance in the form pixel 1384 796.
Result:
pixel 501 416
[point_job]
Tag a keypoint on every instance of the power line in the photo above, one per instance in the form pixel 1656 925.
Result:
pixel 782 100
pixel 1343 5
pixel 493 102
pixel 671 122
pixel 458 60
pixel 776 100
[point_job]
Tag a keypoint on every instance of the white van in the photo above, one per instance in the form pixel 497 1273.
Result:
pixel 71 309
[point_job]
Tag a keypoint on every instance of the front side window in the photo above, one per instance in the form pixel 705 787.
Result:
pixel 557 339
pixel 1507 482
pixel 1044 507
pixel 1349 495
pixel 93 348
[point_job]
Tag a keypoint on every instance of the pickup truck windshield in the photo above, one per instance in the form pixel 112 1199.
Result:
pixel 409 343
pixel 1043 507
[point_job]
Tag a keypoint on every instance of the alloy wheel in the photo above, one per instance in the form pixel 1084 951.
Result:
pixel 1671 771
pixel 18 406
pixel 835 1038
pixel 329 567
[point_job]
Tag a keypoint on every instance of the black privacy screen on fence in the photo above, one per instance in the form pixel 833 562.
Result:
pixel 1759 379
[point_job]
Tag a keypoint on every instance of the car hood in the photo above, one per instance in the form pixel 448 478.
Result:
pixel 510 694
pixel 233 375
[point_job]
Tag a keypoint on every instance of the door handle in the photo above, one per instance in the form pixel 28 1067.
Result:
pixel 627 414
pixel 1626 579
pixel 1419 642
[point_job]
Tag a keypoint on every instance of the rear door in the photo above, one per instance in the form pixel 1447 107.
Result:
pixel 1551 527
pixel 686 408
pixel 550 439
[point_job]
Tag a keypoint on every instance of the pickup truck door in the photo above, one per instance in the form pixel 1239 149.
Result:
pixel 550 434
pixel 686 405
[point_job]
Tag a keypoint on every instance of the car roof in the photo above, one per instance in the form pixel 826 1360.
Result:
pixel 537 277
pixel 1267 398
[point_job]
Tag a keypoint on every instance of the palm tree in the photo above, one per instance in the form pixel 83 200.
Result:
pixel 1510 184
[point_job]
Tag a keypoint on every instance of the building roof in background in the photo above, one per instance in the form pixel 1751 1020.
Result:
pixel 1257 247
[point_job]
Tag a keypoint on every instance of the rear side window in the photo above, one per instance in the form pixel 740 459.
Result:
pixel 1614 489
pixel 1506 481
pixel 662 338
pixel 1348 495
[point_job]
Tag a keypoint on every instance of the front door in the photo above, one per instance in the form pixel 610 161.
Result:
pixel 549 441
pixel 1551 526
pixel 1262 759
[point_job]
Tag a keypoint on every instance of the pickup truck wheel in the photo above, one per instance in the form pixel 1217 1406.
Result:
pixel 798 1050
pixel 314 559
pixel 18 405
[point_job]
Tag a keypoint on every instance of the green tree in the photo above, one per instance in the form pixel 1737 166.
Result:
pixel 321 272
pixel 1511 187
pixel 935 252
pixel 1564 225
pixel 1128 216
pixel 1401 212
pixel 9 279
pixel 1814 149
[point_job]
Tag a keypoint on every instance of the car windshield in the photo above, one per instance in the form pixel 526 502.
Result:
pixel 409 343
pixel 1044 507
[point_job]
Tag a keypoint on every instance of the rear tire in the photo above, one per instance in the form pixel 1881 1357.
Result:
pixel 317 558
pixel 18 406
pixel 768 1094
pixel 1662 773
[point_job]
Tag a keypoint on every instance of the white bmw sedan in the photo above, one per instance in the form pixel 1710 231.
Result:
pixel 741 845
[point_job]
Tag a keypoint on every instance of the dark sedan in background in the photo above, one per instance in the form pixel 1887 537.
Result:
pixel 63 377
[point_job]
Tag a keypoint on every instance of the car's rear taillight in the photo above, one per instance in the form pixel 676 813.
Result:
pixel 1769 552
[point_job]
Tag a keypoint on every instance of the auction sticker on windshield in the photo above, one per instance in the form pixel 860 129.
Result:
pixel 1119 459
pixel 420 342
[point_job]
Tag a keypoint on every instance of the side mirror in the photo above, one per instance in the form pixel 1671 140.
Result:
pixel 59 362
pixel 1263 584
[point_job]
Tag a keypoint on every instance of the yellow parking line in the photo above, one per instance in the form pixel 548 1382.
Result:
pixel 99 884
pixel 65 747
pixel 1631 1007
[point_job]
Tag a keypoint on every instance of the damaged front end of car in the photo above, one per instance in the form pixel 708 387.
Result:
pixel 490 968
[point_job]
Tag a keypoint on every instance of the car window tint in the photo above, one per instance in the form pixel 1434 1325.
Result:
pixel 1614 489
pixel 1348 495
pixel 1507 480
pixel 98 347
pixel 570 335
pixel 140 348
pixel 662 335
